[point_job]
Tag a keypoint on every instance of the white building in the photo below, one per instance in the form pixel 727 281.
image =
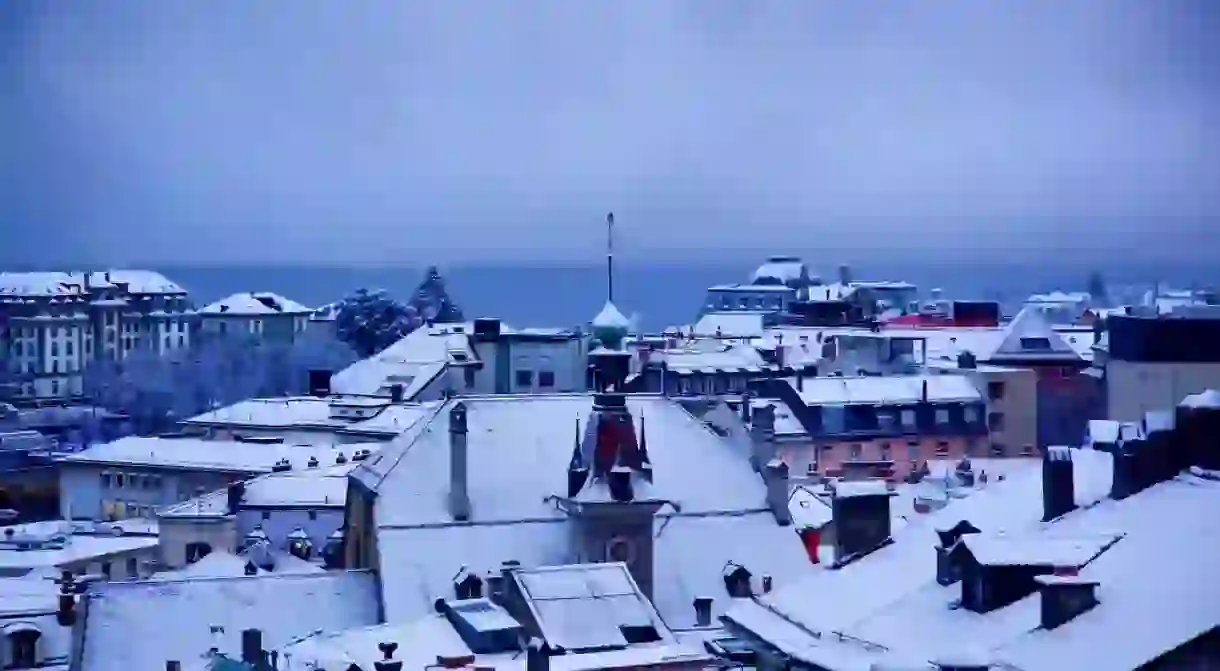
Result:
pixel 53 324
pixel 136 476
pixel 262 315
pixel 30 635
pixel 480 357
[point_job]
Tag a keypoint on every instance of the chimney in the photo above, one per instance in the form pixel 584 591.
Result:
pixel 1064 597
pixel 387 663
pixel 537 655
pixel 923 390
pixel 703 611
pixel 800 381
pixel 173 665
pixel 396 393
pixel 319 383
pixel 947 571
pixel 467 585
pixel 619 481
pixel 967 361
pixel 861 514
pixel 251 646
pixel 66 615
pixel 486 329
pixel 737 581
pixel 766 584
pixel 845 274
pixel 776 477
pixel 746 397
pixel 1058 483
pixel 237 490
pixel 459 498
pixel 762 437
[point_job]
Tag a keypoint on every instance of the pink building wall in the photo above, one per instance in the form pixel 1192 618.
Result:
pixel 907 453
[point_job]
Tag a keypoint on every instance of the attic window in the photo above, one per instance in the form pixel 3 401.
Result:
pixel 458 356
pixel 1036 344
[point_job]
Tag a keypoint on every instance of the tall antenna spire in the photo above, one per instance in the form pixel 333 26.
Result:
pixel 610 257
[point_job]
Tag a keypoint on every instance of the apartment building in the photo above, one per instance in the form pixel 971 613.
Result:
pixel 53 324
pixel 261 315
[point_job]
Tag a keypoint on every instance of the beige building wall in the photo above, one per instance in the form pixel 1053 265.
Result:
pixel 177 533
pixel 1133 388
pixel 1012 407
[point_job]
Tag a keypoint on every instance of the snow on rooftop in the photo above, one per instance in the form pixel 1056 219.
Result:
pixel 890 601
pixel 77 548
pixel 1209 398
pixel 255 304
pixel 712 359
pixel 217 564
pixel 610 317
pixel 140 625
pixel 1029 335
pixel 32 593
pixel 519 449
pixel 414 362
pixel 209 455
pixel 809 511
pixel 730 325
pixel 885 390
pixel 845 489
pixel 781 268
pixel 310 413
pixel 1035 549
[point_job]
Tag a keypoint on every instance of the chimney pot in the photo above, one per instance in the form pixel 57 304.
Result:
pixel 766 584
pixel 459 497
pixel 703 611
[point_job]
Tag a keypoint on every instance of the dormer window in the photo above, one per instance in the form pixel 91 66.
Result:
pixel 1036 344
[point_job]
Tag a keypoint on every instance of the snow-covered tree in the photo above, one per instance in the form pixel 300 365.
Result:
pixel 432 302
pixel 370 321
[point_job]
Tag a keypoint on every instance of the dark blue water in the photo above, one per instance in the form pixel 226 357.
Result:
pixel 659 294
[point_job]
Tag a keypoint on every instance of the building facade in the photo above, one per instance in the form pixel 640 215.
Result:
pixel 260 315
pixel 54 324
pixel 1149 362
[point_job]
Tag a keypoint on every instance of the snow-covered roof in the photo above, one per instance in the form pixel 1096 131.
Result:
pixel 216 564
pixel 38 284
pixel 208 455
pixel 1209 398
pixel 711 359
pixel 137 281
pixel 809 511
pixel 610 317
pixel 29 594
pixel 306 413
pixel 75 549
pixel 730 324
pixel 1144 551
pixel 141 625
pixel 519 448
pixel 885 390
pixel 943 343
pixel 782 268
pixel 255 304
pixel 1030 336
pixel 1060 297
pixel 415 361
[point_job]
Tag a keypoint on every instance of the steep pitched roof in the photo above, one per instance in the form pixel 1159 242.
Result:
pixel 1030 336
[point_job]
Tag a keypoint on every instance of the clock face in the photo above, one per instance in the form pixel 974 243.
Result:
pixel 620 549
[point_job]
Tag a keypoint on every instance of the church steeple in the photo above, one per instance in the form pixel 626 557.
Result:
pixel 578 470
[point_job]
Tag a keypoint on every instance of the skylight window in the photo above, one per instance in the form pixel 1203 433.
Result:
pixel 1036 344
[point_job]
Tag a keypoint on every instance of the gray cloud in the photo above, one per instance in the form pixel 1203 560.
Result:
pixel 400 132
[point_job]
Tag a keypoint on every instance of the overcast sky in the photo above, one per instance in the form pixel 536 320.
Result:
pixel 404 132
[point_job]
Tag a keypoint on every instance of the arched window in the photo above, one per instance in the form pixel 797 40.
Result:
pixel 197 551
pixel 23 645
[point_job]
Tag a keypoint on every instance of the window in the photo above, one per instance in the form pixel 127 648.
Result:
pixel 133 568
pixel 886 419
pixel 995 391
pixel 105 480
pixel 998 450
pixel 266 514
pixel 468 374
pixel 942 449
pixel 1036 344
pixel 913 450
pixel 970 414
pixel 942 416
pixel 546 379
pixel 222 327
pixel 856 450
pixel 54 386
pixel 1027 450
pixel 118 480
pixel 106 569
pixel 24 649
pixel 908 419
pixel 196 551
pixel 995 421
pixel 313 515
pixel 972 447
pixel 181 341
pixel 68 348
pixel 54 349
pixel 525 378
pixel 885 451
pixel 167 342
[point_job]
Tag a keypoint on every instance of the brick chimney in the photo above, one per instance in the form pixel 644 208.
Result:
pixel 762 437
pixel 776 477
pixel 459 497
pixel 1058 483
pixel 1064 597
